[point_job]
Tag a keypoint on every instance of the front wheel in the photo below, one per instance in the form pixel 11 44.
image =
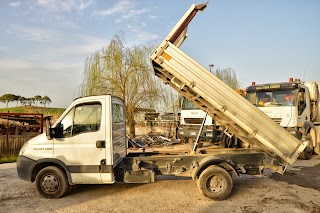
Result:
pixel 51 182
pixel 308 151
pixel 215 183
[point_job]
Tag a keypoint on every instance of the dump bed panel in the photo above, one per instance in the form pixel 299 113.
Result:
pixel 206 91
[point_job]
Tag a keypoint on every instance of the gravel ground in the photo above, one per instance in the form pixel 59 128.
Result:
pixel 297 191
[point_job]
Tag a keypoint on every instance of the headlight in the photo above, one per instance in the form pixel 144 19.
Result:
pixel 23 148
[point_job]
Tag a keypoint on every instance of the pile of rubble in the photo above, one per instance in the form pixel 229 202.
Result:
pixel 153 139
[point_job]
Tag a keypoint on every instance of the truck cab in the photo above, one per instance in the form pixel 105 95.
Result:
pixel 292 106
pixel 288 104
pixel 85 144
pixel 191 118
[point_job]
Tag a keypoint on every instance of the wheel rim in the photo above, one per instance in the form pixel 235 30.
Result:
pixel 216 184
pixel 50 183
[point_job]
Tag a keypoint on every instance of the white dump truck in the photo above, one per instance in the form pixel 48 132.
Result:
pixel 294 105
pixel 87 144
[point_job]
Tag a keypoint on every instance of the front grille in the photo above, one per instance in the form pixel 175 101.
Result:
pixel 193 120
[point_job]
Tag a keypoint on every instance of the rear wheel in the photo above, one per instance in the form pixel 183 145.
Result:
pixel 308 151
pixel 215 183
pixel 51 182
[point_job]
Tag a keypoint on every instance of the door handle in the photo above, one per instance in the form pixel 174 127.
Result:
pixel 101 144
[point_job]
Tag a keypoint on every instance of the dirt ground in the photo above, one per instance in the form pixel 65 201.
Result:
pixel 296 191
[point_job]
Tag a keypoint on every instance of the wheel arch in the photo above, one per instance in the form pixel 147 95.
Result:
pixel 50 162
pixel 308 127
pixel 209 161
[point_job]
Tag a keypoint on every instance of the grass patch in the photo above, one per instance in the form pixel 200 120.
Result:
pixel 8 159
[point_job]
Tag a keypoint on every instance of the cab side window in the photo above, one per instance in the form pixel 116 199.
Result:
pixel 301 101
pixel 81 119
pixel 117 113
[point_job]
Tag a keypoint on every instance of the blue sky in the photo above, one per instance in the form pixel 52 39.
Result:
pixel 44 43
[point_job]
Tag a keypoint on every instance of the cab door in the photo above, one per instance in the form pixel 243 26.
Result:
pixel 116 146
pixel 80 142
pixel 304 109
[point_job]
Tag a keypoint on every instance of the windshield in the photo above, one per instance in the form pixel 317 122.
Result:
pixel 186 104
pixel 272 98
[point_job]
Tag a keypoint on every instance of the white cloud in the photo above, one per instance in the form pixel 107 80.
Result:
pixel 152 17
pixel 57 5
pixel 13 64
pixel 15 4
pixel 136 27
pixel 85 4
pixel 132 14
pixel 3 49
pixel 33 33
pixel 123 11
pixel 60 6
pixel 120 8
pixel 85 45
pixel 145 36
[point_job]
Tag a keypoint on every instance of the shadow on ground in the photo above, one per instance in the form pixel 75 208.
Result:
pixel 301 177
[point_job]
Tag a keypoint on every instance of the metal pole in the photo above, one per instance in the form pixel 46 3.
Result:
pixel 195 146
pixel 210 66
pixel 6 152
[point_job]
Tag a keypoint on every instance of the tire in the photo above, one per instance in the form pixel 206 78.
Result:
pixel 308 151
pixel 227 142
pixel 215 183
pixel 51 182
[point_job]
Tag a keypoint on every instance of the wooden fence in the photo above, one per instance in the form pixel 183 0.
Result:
pixel 13 145
pixel 16 129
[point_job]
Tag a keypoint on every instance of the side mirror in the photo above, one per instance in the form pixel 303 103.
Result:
pixel 48 128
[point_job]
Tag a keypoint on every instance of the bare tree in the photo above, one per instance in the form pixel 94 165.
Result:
pixel 124 72
pixel 229 77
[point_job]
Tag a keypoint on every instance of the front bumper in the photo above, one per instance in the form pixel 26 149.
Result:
pixel 24 167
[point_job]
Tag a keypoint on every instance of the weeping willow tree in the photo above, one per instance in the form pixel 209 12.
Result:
pixel 228 76
pixel 124 72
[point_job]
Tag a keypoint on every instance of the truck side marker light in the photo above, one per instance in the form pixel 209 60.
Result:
pixel 166 56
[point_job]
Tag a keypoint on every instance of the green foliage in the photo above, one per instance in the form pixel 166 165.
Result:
pixel 8 159
pixel 7 98
pixel 37 98
pixel 45 100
